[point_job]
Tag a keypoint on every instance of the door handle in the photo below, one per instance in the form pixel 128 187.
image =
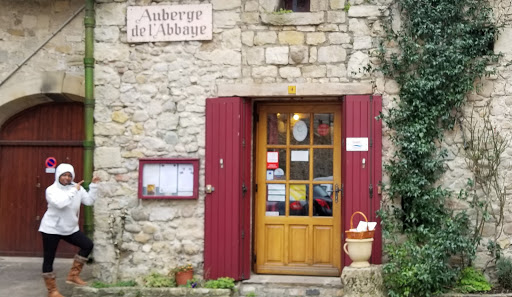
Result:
pixel 209 189
pixel 336 191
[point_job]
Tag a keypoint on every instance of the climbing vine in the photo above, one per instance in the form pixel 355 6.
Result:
pixel 443 47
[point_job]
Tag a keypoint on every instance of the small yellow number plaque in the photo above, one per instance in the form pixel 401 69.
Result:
pixel 292 90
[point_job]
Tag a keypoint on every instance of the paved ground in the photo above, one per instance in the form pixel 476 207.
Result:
pixel 21 277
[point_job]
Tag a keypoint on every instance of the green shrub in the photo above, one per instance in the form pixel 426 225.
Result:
pixel 129 283
pixel 472 281
pixel 157 280
pixel 443 48
pixel 220 283
pixel 504 273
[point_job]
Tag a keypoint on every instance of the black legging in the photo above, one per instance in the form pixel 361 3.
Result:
pixel 51 241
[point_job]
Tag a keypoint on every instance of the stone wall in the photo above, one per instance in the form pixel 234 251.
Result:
pixel 151 103
pixel 26 25
pixel 495 89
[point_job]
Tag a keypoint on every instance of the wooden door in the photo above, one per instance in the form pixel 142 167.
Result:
pixel 362 170
pixel 298 170
pixel 227 203
pixel 26 141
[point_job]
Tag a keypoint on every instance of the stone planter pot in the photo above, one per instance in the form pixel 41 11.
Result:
pixel 359 251
pixel 183 276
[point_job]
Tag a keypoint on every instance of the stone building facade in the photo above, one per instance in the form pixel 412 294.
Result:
pixel 150 100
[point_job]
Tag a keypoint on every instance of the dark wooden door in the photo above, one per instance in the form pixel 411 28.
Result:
pixel 227 207
pixel 26 141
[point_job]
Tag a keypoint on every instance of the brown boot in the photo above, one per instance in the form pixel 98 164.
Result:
pixel 73 276
pixel 49 280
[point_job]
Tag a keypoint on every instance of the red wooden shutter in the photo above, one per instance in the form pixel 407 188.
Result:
pixel 227 208
pixel 361 180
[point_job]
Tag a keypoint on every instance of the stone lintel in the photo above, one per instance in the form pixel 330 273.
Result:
pixel 303 89
pixel 293 19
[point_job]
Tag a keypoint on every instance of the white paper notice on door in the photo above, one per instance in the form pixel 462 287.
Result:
pixel 300 156
pixel 357 144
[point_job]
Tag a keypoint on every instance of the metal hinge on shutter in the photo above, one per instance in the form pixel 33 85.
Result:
pixel 371 190
pixel 256 188
pixel 243 234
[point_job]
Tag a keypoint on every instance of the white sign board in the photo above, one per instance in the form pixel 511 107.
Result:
pixel 357 144
pixel 169 23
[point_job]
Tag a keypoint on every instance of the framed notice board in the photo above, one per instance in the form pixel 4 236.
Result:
pixel 168 178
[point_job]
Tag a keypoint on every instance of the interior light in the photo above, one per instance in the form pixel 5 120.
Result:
pixel 296 117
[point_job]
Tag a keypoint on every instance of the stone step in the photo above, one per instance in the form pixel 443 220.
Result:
pixel 289 285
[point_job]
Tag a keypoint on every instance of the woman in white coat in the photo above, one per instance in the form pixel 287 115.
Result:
pixel 61 222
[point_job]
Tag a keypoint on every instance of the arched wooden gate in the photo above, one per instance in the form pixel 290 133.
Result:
pixel 26 141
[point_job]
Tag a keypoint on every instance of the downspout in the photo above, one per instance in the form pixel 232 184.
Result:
pixel 89 23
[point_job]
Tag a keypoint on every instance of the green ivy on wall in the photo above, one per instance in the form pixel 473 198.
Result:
pixel 444 46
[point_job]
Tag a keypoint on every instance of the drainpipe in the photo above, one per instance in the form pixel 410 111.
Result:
pixel 89 23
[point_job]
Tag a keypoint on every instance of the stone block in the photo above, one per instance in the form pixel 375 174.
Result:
pixel 356 64
pixel 314 71
pixel 315 38
pixel 290 72
pixel 265 71
pixel 364 11
pixel 319 5
pixel 339 38
pixel 110 14
pixel 336 17
pixel 251 17
pixel 363 282
pixel 263 38
pixel 226 4
pixel 277 55
pixel 255 56
pixel 225 19
pixel 106 157
pixel 299 54
pixel 251 6
pixel 232 39
pixel 248 38
pixel 331 54
pixel 337 4
pixel 358 27
pixel 362 42
pixel 291 38
pixel 502 45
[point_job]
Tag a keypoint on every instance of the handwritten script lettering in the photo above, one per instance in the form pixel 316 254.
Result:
pixel 169 23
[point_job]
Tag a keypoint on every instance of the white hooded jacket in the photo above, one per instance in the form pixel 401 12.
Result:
pixel 64 204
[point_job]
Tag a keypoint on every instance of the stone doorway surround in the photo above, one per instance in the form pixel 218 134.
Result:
pixel 54 86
